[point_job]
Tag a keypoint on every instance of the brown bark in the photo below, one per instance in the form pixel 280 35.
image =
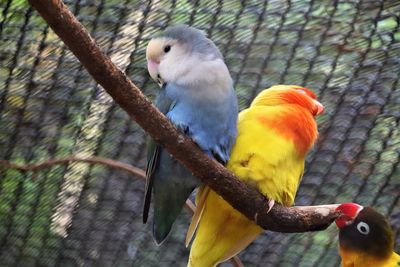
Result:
pixel 244 198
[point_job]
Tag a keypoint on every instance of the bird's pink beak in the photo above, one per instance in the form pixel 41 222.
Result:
pixel 349 212
pixel 320 107
pixel 152 65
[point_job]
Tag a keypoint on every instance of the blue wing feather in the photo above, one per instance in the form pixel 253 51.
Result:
pixel 212 125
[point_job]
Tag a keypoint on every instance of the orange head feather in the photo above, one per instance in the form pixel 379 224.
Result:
pixel 289 94
pixel 296 122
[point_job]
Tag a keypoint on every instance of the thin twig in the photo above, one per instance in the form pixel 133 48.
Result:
pixel 35 167
pixel 93 160
pixel 237 262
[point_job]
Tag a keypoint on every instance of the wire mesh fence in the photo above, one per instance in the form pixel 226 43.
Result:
pixel 347 51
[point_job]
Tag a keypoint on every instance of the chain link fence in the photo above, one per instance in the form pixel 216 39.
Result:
pixel 77 214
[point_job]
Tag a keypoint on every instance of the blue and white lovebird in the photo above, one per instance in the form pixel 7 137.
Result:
pixel 197 96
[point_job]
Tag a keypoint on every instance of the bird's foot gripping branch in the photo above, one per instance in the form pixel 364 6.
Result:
pixel 242 197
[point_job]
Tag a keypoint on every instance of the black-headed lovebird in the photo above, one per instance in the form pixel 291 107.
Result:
pixel 365 238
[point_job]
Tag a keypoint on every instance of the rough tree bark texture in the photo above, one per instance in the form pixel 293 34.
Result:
pixel 242 197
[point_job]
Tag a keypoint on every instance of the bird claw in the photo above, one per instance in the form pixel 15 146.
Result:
pixel 271 203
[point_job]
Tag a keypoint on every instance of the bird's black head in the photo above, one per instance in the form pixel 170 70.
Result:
pixel 365 230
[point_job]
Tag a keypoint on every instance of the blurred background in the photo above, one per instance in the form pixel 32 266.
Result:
pixel 79 214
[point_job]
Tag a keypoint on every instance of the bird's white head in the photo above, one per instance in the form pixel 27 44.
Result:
pixel 185 56
pixel 162 50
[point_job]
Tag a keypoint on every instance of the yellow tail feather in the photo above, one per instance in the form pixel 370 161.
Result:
pixel 242 244
pixel 201 200
pixel 222 233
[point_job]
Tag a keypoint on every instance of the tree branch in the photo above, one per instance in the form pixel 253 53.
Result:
pixel 241 196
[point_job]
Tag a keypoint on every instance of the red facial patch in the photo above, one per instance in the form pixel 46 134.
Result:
pixel 349 213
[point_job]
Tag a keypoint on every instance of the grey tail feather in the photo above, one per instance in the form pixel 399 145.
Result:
pixel 147 199
pixel 151 166
pixel 161 229
pixel 166 213
pixel 158 237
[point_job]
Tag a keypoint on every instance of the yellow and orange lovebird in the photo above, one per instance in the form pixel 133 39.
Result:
pixel 365 238
pixel 274 135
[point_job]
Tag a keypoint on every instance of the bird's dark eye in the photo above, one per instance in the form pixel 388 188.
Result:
pixel 363 228
pixel 167 48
